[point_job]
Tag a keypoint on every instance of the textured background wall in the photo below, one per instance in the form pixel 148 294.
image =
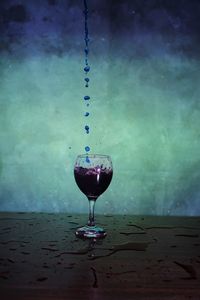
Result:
pixel 145 106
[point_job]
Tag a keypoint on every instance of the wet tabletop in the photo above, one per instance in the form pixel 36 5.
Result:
pixel 142 257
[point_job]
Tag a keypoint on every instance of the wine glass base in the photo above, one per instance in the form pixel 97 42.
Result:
pixel 91 232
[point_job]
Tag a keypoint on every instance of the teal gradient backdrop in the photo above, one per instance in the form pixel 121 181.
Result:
pixel 145 110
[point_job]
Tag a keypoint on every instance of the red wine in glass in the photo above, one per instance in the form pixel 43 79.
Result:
pixel 93 174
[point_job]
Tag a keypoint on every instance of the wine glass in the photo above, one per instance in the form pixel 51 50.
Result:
pixel 93 174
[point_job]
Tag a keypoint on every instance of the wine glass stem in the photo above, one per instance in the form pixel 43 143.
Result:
pixel 91 221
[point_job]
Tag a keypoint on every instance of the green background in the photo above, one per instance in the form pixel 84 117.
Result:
pixel 144 113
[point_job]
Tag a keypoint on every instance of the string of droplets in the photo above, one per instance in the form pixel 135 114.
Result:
pixel 86 70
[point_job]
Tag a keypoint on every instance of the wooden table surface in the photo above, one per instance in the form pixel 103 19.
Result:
pixel 142 257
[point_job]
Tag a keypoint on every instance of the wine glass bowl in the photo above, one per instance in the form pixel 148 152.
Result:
pixel 93 174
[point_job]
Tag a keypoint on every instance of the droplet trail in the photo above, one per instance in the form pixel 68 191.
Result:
pixel 86 69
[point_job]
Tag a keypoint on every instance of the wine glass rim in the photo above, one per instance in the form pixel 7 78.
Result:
pixel 93 155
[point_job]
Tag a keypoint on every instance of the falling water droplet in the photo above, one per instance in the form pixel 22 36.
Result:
pixel 87 104
pixel 87 148
pixel 87 128
pixel 87 159
pixel 86 114
pixel 87 80
pixel 86 97
pixel 87 69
